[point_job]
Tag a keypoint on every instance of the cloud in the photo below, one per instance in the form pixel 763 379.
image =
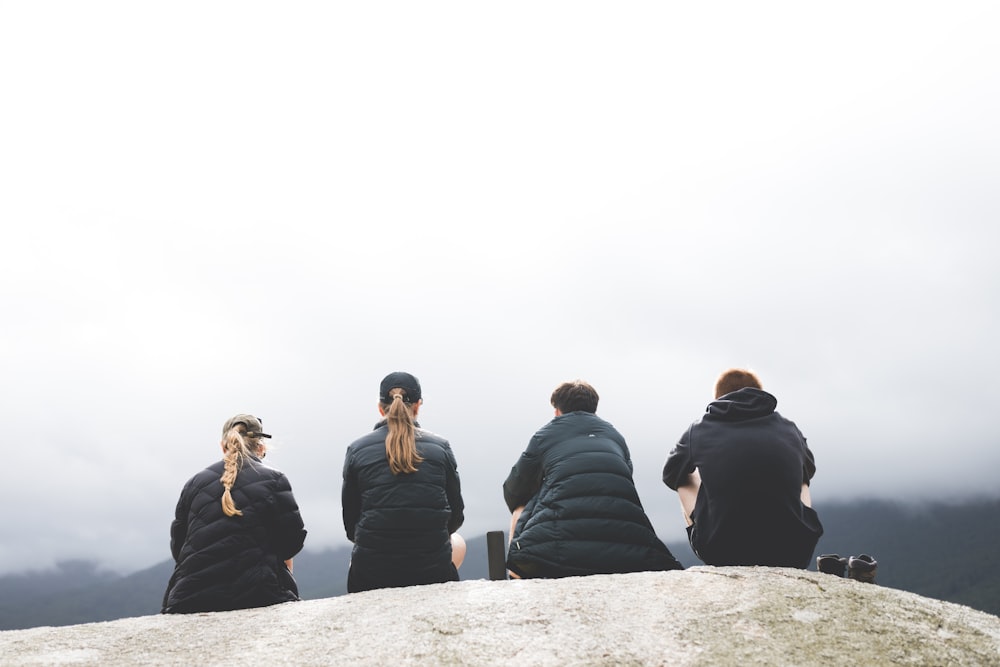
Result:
pixel 213 210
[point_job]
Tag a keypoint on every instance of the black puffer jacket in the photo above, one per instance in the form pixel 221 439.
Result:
pixel 582 513
pixel 401 525
pixel 234 562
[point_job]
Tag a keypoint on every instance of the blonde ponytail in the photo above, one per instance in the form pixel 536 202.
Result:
pixel 238 447
pixel 401 442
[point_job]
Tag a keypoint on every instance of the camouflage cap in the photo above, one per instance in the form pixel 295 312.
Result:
pixel 253 425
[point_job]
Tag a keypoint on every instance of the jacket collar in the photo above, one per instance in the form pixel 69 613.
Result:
pixel 382 423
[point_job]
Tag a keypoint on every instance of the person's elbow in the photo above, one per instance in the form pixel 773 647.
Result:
pixel 514 496
pixel 677 472
pixel 672 479
pixel 350 527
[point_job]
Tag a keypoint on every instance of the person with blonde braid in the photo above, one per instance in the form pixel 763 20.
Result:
pixel 235 530
pixel 402 498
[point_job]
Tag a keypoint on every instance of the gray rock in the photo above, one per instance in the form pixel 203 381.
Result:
pixel 701 616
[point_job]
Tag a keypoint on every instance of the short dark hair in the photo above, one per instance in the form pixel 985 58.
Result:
pixel 734 379
pixel 575 396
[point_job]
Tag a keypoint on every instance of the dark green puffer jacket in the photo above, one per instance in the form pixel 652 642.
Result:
pixel 582 512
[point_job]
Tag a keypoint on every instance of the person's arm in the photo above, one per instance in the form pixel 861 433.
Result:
pixel 687 493
pixel 808 470
pixel 350 498
pixel 681 475
pixel 620 440
pixel 453 489
pixel 680 464
pixel 524 480
pixel 514 516
pixel 289 531
pixel 178 528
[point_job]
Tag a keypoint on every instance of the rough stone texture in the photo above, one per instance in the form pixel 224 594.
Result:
pixel 701 616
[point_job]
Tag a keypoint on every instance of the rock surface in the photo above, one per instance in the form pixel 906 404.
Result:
pixel 701 616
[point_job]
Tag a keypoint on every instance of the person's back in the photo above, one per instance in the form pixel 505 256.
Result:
pixel 401 498
pixel 753 467
pixel 403 524
pixel 233 541
pixel 576 508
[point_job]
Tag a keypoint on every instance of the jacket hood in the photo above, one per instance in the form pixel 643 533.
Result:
pixel 742 404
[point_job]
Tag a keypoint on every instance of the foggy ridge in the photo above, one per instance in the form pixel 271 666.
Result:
pixel 936 550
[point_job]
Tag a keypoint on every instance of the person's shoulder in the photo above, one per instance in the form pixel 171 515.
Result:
pixel 209 472
pixel 377 435
pixel 785 421
pixel 428 441
pixel 266 470
pixel 551 428
pixel 600 422
pixel 563 427
pixel 581 421
pixel 431 436
pixel 277 480
pixel 203 478
pixel 368 449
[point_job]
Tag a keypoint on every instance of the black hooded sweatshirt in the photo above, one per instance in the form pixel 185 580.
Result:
pixel 753 463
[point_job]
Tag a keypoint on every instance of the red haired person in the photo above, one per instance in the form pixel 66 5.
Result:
pixel 742 474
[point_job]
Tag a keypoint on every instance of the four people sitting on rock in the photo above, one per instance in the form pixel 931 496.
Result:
pixel 742 473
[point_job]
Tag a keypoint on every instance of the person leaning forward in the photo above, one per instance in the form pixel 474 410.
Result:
pixel 575 509
pixel 742 474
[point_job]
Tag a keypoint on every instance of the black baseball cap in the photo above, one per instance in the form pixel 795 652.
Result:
pixel 403 381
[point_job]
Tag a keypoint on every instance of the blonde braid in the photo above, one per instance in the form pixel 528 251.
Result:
pixel 237 450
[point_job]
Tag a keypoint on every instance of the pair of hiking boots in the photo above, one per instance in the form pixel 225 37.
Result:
pixel 860 568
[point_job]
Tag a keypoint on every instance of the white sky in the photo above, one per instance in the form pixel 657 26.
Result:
pixel 221 207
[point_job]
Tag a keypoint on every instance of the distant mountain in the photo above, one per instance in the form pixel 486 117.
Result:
pixel 78 592
pixel 945 551
pixel 938 550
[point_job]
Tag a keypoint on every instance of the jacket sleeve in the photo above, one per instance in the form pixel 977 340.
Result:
pixel 808 461
pixel 453 488
pixel 679 462
pixel 178 528
pixel 525 478
pixel 625 452
pixel 290 533
pixel 350 498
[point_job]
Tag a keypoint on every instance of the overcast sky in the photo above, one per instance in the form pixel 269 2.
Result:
pixel 220 207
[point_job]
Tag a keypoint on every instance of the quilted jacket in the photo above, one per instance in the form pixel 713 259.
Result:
pixel 234 562
pixel 582 512
pixel 401 525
